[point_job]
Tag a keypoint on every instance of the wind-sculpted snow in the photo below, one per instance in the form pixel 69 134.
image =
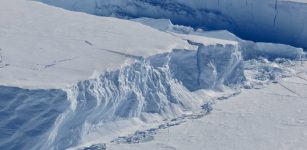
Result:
pixel 258 20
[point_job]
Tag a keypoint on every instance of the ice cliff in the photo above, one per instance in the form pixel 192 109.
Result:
pixel 161 88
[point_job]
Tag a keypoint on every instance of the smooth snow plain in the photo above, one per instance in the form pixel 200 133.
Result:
pixel 72 80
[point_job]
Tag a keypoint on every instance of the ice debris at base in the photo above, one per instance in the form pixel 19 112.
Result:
pixel 96 147
pixel 261 71
pixel 148 135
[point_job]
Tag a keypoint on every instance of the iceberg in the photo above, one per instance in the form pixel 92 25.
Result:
pixel 71 78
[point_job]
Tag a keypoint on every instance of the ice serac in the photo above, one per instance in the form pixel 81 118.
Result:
pixel 278 21
pixel 212 67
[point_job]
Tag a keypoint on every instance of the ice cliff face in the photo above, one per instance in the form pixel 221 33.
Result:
pixel 161 88
pixel 148 87
pixel 262 20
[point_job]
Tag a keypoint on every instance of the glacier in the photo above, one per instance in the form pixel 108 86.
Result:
pixel 280 21
pixel 72 80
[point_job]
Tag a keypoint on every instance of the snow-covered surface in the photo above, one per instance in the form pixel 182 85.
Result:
pixel 45 47
pixel 270 118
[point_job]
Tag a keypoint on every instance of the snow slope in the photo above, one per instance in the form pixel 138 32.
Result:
pixel 280 21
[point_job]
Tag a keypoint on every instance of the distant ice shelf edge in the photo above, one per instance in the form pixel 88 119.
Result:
pixel 277 21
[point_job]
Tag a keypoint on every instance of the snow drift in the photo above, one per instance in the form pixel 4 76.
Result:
pixel 258 20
